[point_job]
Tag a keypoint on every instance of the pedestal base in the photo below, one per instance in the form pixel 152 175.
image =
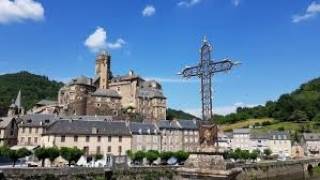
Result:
pixel 208 163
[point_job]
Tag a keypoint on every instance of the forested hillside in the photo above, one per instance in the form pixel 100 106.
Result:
pixel 33 88
pixel 178 114
pixel 302 104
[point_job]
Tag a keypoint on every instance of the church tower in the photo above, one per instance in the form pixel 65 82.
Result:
pixel 103 69
pixel 15 108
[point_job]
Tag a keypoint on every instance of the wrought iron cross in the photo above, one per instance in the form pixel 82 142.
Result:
pixel 205 70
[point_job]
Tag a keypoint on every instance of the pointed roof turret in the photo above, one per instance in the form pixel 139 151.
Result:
pixel 18 100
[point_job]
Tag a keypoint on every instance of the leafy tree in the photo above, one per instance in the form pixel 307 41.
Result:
pixel 14 155
pixel 71 154
pixel 138 156
pixel 298 115
pixel 253 155
pixel 151 156
pixel 181 156
pixel 166 155
pixel 53 153
pixel 42 154
pixel 267 152
pixel 98 157
pixel 130 154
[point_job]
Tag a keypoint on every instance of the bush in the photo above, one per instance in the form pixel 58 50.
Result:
pixel 266 123
pixel 138 156
pixel 166 155
pixel 281 128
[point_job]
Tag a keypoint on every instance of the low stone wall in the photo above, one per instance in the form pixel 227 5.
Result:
pixel 273 171
pixel 65 173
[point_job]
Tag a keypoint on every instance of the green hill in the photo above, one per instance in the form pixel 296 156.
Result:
pixel 33 88
pixel 178 114
pixel 301 105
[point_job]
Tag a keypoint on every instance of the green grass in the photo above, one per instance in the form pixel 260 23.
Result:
pixel 244 124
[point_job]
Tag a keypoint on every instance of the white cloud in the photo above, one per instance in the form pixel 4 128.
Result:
pixel 236 3
pixel 188 3
pixel 221 110
pixel 20 10
pixel 98 41
pixel 312 11
pixel 116 45
pixel 149 10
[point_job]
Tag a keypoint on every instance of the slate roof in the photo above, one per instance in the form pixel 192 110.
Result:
pixel 5 121
pixel 82 80
pixel 150 93
pixel 311 136
pixel 38 120
pixel 256 135
pixel 166 124
pixel 87 117
pixel 279 135
pixel 106 93
pixel 143 128
pixel 81 127
pixel 46 102
pixel 188 124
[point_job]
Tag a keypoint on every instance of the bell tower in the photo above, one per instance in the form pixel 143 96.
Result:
pixel 103 69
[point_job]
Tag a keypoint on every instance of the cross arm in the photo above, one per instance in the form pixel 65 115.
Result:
pixel 221 66
pixel 190 71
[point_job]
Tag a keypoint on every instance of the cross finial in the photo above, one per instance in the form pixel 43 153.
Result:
pixel 205 39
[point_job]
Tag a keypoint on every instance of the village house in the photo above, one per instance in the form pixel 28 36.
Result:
pixel 92 136
pixel 145 136
pixel 32 127
pixel 311 143
pixel 280 143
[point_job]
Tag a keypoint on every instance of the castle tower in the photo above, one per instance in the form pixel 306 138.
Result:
pixel 103 69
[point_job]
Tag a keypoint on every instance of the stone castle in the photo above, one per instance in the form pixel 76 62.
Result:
pixel 110 95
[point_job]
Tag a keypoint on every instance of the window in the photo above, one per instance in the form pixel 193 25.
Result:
pixel 23 129
pixel 22 139
pixel 86 150
pixel 109 148
pixel 87 138
pixel 63 138
pixel 75 138
pixel 99 138
pixel 36 130
pixel 30 130
pixel 29 140
pixel 98 149
pixel 119 150
pixel 35 139
pixel 120 138
pixel 109 138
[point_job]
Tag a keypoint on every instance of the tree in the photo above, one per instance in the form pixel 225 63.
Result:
pixel 138 156
pixel 267 152
pixel 130 154
pixel 151 156
pixel 98 157
pixel 165 156
pixel 14 155
pixel 253 155
pixel 42 154
pixel 71 154
pixel 299 116
pixel 181 156
pixel 53 153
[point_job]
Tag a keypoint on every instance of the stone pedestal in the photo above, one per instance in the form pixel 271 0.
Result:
pixel 208 163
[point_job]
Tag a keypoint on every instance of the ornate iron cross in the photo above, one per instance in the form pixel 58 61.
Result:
pixel 205 70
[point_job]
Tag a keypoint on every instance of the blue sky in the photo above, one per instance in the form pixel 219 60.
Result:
pixel 277 42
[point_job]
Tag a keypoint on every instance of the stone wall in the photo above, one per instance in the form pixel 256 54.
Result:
pixel 65 173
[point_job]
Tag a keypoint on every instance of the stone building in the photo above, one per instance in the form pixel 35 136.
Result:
pixel 280 143
pixel 311 143
pixel 8 131
pixel 92 136
pixel 179 135
pixel 241 139
pixel 106 94
pixel 32 127
pixel 145 136
pixel 9 124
